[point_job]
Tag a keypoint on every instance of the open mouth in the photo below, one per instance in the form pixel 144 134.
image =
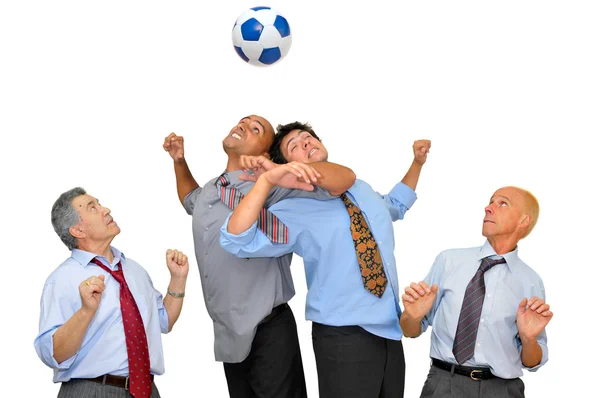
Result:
pixel 236 136
pixel 312 152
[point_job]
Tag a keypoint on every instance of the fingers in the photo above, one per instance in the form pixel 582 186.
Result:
pixel 522 305
pixel 177 257
pixel 416 290
pixel 247 177
pixel 173 141
pixel 251 162
pixel 95 284
pixel 304 171
pixel 422 146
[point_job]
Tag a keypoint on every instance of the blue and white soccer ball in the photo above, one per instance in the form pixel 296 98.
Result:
pixel 261 36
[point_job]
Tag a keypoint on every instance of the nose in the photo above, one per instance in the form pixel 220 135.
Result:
pixel 305 143
pixel 105 210
pixel 489 209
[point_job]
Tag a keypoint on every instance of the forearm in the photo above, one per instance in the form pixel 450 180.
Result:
pixel 411 178
pixel 185 180
pixel 247 211
pixel 335 178
pixel 68 338
pixel 172 304
pixel 411 327
pixel 531 352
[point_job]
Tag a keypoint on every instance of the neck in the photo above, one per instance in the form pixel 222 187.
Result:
pixel 99 249
pixel 503 245
pixel 233 163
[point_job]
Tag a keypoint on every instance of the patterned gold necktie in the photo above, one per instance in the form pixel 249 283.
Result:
pixel 367 251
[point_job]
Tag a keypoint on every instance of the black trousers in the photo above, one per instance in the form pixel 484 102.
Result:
pixel 352 362
pixel 273 369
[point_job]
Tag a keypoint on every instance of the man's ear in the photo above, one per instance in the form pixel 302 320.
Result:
pixel 77 232
pixel 525 222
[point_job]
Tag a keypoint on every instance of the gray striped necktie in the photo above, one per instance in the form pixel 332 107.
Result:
pixel 273 227
pixel 470 312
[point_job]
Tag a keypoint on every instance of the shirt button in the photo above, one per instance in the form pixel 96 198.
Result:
pixel 210 206
pixel 206 229
pixel 379 242
pixel 206 252
pixel 205 276
pixel 482 321
pixel 209 298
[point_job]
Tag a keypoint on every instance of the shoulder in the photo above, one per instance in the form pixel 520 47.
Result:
pixel 69 273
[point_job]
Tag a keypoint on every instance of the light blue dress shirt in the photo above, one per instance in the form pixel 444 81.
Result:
pixel 319 232
pixel 498 345
pixel 103 350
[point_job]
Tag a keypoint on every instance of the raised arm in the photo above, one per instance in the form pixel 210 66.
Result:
pixel 334 178
pixel 185 180
pixel 286 176
pixel 68 338
pixel 178 265
pixel 420 150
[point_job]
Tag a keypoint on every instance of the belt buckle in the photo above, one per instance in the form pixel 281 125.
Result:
pixel 127 383
pixel 474 376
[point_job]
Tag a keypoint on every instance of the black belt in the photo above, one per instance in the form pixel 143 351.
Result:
pixel 473 373
pixel 117 381
pixel 276 311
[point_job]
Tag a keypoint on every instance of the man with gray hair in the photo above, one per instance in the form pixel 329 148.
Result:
pixel 101 318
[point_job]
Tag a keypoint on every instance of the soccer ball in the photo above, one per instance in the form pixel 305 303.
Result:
pixel 261 36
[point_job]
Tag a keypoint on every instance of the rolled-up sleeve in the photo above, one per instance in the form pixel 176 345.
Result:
pixel 253 243
pixel 163 316
pixel 190 200
pixel 434 276
pixel 53 314
pixel 542 339
pixel 400 200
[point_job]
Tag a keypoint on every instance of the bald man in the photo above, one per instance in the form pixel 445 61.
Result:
pixel 486 308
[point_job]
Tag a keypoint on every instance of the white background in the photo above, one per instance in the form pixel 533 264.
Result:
pixel 508 92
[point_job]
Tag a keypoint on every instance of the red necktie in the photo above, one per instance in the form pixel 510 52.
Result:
pixel 140 385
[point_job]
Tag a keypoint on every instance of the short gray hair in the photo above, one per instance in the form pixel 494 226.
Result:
pixel 64 216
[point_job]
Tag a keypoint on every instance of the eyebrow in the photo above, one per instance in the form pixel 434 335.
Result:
pixel 257 121
pixel 501 196
pixel 287 147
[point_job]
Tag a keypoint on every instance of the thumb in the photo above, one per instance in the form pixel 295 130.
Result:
pixel 522 306
pixel 305 186
pixel 101 277
pixel 434 288
pixel 170 254
pixel 247 177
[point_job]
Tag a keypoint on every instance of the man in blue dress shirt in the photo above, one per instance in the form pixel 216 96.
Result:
pixel 486 308
pixel 254 328
pixel 356 334
pixel 81 334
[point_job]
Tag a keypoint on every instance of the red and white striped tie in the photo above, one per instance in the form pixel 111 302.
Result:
pixel 273 227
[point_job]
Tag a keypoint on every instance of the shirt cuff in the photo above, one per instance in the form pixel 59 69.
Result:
pixel 44 346
pixel 404 194
pixel 241 239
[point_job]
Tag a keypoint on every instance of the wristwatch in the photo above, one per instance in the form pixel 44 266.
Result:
pixel 176 295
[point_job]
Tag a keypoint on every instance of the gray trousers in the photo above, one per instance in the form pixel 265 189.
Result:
pixel 79 388
pixel 442 384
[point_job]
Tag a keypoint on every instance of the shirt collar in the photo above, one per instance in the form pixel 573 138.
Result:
pixel 85 258
pixel 511 258
pixel 233 176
